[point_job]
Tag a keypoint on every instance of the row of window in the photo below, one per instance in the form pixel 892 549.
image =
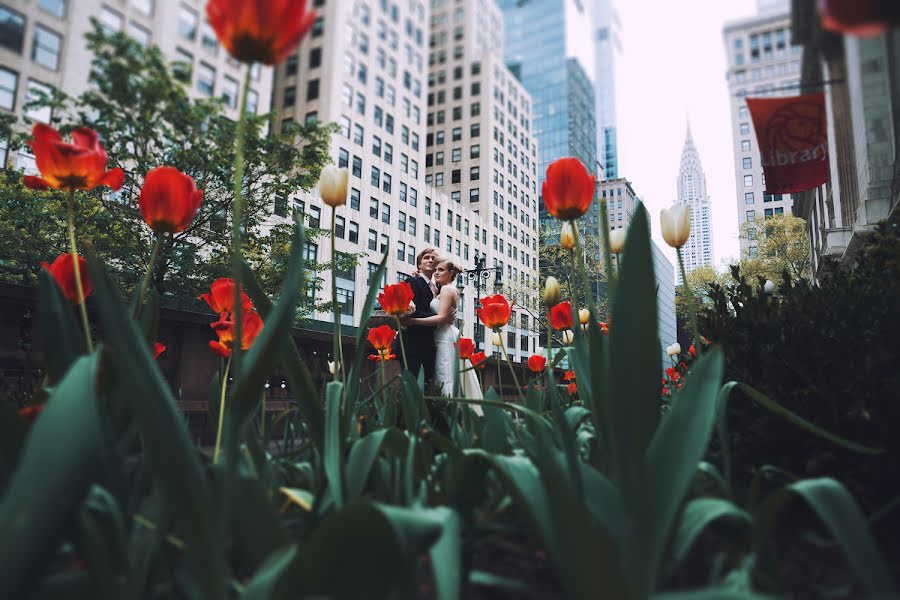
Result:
pixel 46 44
pixel 768 212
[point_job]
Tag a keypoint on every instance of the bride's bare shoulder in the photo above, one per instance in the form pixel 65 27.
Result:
pixel 450 291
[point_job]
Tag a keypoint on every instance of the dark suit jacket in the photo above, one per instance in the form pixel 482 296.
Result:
pixel 420 335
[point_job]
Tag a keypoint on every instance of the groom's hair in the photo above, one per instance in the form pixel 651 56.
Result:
pixel 428 250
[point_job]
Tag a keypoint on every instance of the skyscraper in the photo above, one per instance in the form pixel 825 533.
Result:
pixel 607 45
pixel 545 50
pixel 761 62
pixel 698 251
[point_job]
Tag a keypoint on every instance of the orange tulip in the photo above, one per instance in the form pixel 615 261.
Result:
pixel 478 359
pixel 572 389
pixel 158 348
pixel 382 337
pixel 221 297
pixel 169 200
pixel 494 311
pixel 466 348
pixel 30 413
pixel 395 299
pixel 80 165
pixel 251 325
pixel 536 363
pixel 260 31
pixel 382 357
pixel 63 272
pixel 568 189
pixel 569 376
pixel 561 316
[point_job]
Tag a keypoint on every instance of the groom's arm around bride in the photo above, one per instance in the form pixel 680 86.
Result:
pixel 419 339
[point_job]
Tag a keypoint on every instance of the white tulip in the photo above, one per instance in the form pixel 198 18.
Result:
pixel 551 291
pixel 333 185
pixel 568 337
pixel 675 223
pixel 497 339
pixel 769 286
pixel 617 240
pixel 333 367
pixel 567 236
pixel 674 349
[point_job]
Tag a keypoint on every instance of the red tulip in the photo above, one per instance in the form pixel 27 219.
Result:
pixel 221 297
pixel 158 348
pixel 568 189
pixel 395 299
pixel 251 325
pixel 572 389
pixel 536 363
pixel 169 200
pixel 30 413
pixel 382 357
pixel 382 337
pixel 561 316
pixel 569 376
pixel 63 272
pixel 260 31
pixel 80 165
pixel 494 311
pixel 478 359
pixel 466 348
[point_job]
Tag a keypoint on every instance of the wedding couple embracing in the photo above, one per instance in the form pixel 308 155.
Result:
pixel 430 336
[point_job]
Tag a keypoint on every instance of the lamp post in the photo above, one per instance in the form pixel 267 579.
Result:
pixel 476 276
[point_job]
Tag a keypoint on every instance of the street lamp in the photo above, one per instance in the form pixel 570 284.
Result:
pixel 476 276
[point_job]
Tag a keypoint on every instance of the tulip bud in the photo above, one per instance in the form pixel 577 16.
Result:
pixel 617 240
pixel 674 349
pixel 584 316
pixel 497 339
pixel 333 186
pixel 568 337
pixel 769 286
pixel 551 291
pixel 567 236
pixel 334 367
pixel 675 223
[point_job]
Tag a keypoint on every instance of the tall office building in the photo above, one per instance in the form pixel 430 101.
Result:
pixel 545 50
pixel 42 47
pixel 698 250
pixel 481 150
pixel 761 62
pixel 607 45
pixel 366 65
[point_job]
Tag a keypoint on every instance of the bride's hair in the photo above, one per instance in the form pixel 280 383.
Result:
pixel 453 268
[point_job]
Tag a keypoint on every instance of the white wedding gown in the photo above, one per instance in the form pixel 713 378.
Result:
pixel 445 337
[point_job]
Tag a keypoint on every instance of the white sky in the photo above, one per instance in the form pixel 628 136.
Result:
pixel 672 67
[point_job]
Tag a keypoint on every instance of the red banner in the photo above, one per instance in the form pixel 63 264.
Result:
pixel 793 141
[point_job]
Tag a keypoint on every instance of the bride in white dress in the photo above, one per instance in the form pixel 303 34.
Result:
pixel 446 335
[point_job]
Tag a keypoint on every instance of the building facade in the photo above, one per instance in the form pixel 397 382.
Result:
pixel 698 250
pixel 607 45
pixel 761 62
pixel 43 47
pixel 482 153
pixel 862 107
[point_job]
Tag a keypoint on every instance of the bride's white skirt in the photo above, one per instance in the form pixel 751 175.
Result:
pixel 445 358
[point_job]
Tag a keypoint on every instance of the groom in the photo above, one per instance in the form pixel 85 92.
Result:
pixel 419 339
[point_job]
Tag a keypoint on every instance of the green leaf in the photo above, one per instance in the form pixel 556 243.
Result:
pixel 58 463
pixel 266 579
pixel 842 516
pixel 516 587
pixel 364 453
pixel 167 444
pixel 298 378
pixel 634 365
pixel 673 456
pixel 63 339
pixel 334 448
pixel 257 530
pixel 713 593
pixel 446 555
pixel 698 514
pixel 102 530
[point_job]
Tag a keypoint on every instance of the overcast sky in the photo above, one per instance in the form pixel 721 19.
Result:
pixel 672 68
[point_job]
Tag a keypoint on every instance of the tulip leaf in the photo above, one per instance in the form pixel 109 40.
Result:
pixel 700 513
pixel 58 463
pixel 102 529
pixel 365 452
pixel 266 579
pixel 61 336
pixel 673 456
pixel 334 448
pixel 167 443
pixel 257 530
pixel 295 371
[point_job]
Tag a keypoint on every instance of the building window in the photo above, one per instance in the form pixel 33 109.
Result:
pixel 140 34
pixel 315 60
pixel 745 145
pixel 353 233
pixel 748 198
pixel 38 91
pixel 312 90
pixel 206 78
pixel 142 6
pixel 9 81
pixel 747 162
pixel 47 45
pixel 354 198
pixel 748 180
pixel 230 91
pixel 340 226
pixel 12 30
pixel 187 22
pixel 474 195
pixel 110 20
pixel 56 8
pixel 183 65
pixel 751 216
pixel 346 299
pixel 745 128
pixel 357 167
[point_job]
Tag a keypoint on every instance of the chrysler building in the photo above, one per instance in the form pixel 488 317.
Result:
pixel 698 250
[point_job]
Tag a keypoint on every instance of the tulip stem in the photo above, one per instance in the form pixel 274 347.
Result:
pixel 338 348
pixel 236 219
pixel 513 371
pixel 402 347
pixel 607 249
pixel 78 286
pixel 145 284
pixel 689 298
pixel 221 411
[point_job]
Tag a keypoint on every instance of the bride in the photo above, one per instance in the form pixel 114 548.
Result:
pixel 446 335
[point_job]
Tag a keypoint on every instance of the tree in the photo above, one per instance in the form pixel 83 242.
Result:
pixel 782 245
pixel 138 105
pixel 699 281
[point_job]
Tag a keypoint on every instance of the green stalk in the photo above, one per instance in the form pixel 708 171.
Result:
pixel 689 298
pixel 145 284
pixel 78 287
pixel 402 347
pixel 513 371
pixel 607 249
pixel 499 378
pixel 236 255
pixel 337 348
pixel 222 410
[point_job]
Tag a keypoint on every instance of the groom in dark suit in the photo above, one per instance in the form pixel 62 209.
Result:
pixel 419 339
